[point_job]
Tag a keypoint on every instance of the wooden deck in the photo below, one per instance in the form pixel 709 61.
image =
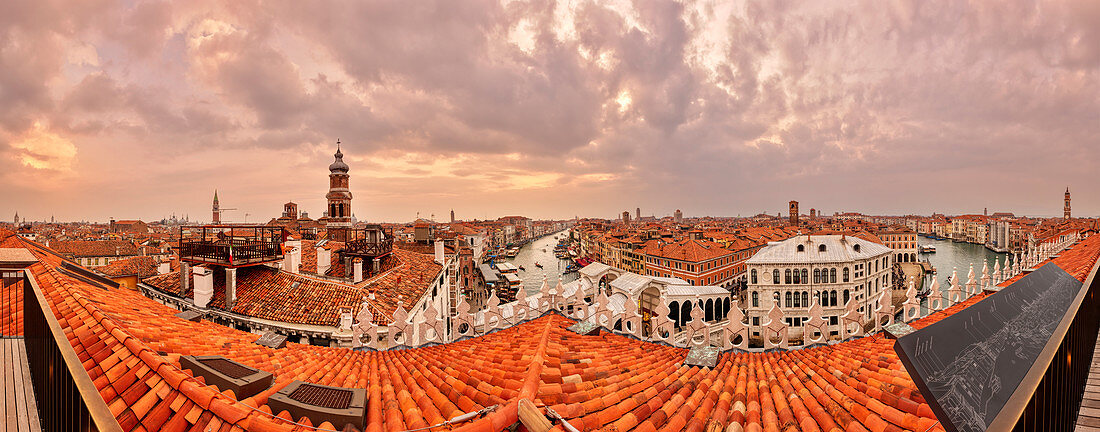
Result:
pixel 18 411
pixel 1088 418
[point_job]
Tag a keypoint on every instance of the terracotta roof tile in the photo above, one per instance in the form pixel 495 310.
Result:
pixel 598 382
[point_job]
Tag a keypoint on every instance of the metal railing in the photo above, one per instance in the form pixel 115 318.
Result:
pixel 66 397
pixel 1049 396
pixel 231 245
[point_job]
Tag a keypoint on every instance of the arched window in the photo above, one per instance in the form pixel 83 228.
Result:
pixel 754 276
pixel 674 313
pixel 846 296
pixel 855 247
pixel 797 300
pixel 805 299
pixel 787 279
pixel 755 299
pixel 805 276
pixel 725 307
pixel 775 276
pixel 801 248
pixel 845 274
pixel 788 297
pixel 821 248
pixel 709 311
pixel 797 278
pixel 832 275
pixel 817 276
pixel 832 298
pixel 685 313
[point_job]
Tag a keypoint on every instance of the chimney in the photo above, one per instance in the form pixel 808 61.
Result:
pixel 376 264
pixel 230 287
pixel 439 252
pixel 185 280
pixel 345 321
pixel 357 271
pixel 204 285
pixel 324 260
pixel 164 267
pixel 295 257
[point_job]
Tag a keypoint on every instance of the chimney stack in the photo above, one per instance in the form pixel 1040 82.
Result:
pixel 358 271
pixel 204 285
pixel 324 260
pixel 439 251
pixel 164 267
pixel 230 287
pixel 294 260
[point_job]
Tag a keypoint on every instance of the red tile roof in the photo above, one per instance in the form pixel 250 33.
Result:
pixel 96 248
pixel 689 250
pixel 605 381
pixel 140 266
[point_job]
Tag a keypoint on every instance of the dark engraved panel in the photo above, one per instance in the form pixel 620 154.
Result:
pixel 968 364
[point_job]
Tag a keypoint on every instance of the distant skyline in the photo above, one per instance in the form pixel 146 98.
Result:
pixel 137 110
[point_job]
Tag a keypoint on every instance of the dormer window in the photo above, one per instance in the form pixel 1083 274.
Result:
pixel 855 247
pixel 801 248
pixel 821 248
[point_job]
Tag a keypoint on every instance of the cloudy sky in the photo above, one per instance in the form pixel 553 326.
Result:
pixel 548 109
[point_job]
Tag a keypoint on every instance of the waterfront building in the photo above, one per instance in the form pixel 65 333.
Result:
pixel 697 261
pixel 902 240
pixel 828 269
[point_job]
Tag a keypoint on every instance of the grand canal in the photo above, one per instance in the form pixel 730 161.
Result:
pixel 958 256
pixel 542 251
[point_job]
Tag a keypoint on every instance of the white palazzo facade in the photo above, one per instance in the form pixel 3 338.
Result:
pixel 831 270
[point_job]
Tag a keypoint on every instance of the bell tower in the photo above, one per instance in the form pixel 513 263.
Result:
pixel 217 218
pixel 338 196
pixel 1065 210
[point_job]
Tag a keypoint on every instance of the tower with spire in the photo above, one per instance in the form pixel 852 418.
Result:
pixel 216 209
pixel 338 196
pixel 1065 210
pixel 16 219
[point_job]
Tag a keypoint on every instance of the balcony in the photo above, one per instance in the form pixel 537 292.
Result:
pixel 231 245
pixel 372 241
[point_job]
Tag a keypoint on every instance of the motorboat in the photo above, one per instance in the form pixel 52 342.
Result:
pixel 538 265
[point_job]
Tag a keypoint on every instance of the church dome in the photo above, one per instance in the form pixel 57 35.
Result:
pixel 338 165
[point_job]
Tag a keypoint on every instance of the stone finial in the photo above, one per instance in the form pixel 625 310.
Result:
pixel 935 296
pixel 776 325
pixel 971 283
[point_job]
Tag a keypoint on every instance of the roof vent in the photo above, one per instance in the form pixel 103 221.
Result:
pixel 272 340
pixel 585 328
pixel 228 375
pixel 897 330
pixel 337 405
pixel 190 315
pixel 702 356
